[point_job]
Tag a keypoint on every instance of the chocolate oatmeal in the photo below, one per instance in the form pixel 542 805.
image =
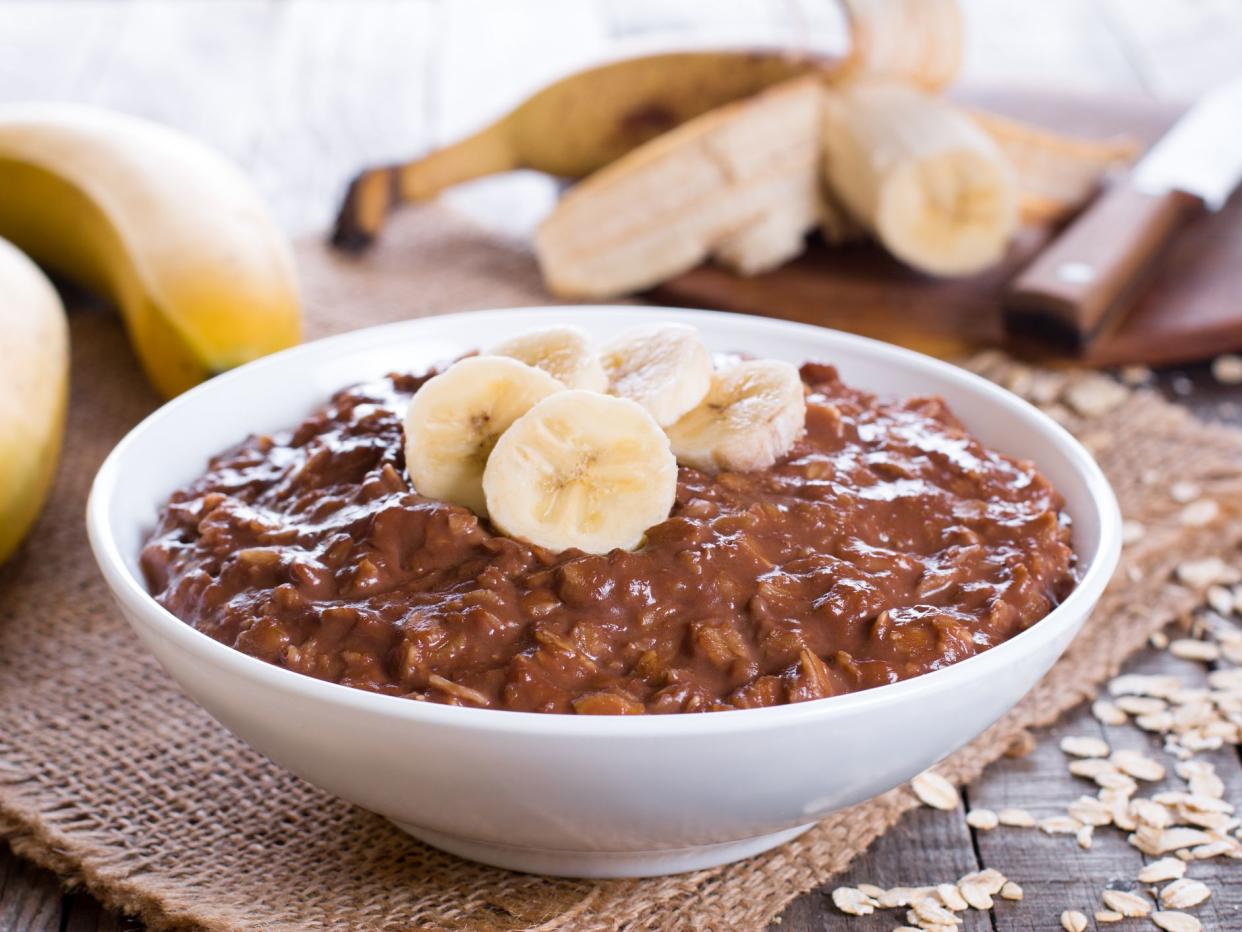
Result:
pixel 886 544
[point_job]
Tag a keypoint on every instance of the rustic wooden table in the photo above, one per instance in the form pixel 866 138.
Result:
pixel 303 93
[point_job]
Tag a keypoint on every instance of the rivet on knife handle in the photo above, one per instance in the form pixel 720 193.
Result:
pixel 1071 289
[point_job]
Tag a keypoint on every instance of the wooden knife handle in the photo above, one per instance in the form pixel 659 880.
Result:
pixel 1071 288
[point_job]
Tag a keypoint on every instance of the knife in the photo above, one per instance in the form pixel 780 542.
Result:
pixel 1079 285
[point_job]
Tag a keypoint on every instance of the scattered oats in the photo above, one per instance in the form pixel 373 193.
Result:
pixel 1214 849
pixel 951 897
pixel 1150 813
pixel 1202 778
pixel 935 791
pixel 1128 904
pixel 1183 492
pixel 1159 640
pixel 1088 810
pixel 1199 574
pixel 1117 782
pixel 1093 395
pixel 1132 532
pixel 1108 915
pixel 983 819
pixel 1225 679
pixel 976 894
pixel 1016 818
pixel 1022 745
pixel 1121 813
pixel 1045 386
pixel 1135 376
pixel 1227 369
pixel 1191 649
pixel 1199 513
pixel 1221 600
pixel 1139 684
pixel 1159 722
pixel 1162 870
pixel 1085 836
pixel 853 902
pixel 1011 891
pixel 1138 765
pixel 1175 921
pixel 929 911
pixel 1173 839
pixel 1108 712
pixel 1060 825
pixel 989 879
pixel 1184 893
pixel 1141 705
pixel 1073 921
pixel 902 896
pixel 1090 767
pixel 1082 746
pixel 871 890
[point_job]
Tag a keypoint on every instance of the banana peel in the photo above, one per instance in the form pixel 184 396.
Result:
pixel 170 232
pixel 589 119
pixel 34 387
pixel 1055 173
pixel 572 128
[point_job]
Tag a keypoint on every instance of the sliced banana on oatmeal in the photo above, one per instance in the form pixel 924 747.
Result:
pixel 581 470
pixel 565 353
pixel 455 419
pixel 751 417
pixel 664 367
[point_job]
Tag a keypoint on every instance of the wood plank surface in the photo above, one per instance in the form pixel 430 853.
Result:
pixel 302 94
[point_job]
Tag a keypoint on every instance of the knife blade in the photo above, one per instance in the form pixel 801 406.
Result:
pixel 1078 285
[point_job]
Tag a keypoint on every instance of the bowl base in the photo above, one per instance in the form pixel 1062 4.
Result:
pixel 601 864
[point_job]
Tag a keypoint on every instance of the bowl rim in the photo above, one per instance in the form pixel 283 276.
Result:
pixel 142 607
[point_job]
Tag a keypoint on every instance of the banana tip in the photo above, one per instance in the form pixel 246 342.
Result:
pixel 369 198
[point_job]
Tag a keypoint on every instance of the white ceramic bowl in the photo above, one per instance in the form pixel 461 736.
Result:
pixel 586 795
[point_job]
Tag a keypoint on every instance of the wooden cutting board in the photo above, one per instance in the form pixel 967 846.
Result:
pixel 1190 307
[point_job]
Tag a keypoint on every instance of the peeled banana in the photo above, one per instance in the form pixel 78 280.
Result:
pixel 741 183
pixel 573 127
pixel 34 385
pixel 166 229
pixel 920 175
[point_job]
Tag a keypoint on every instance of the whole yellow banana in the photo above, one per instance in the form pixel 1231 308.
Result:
pixel 34 385
pixel 168 230
pixel 572 127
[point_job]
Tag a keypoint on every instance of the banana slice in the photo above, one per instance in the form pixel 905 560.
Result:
pixel 665 368
pixel 455 419
pixel 581 470
pixel 564 353
pixel 750 419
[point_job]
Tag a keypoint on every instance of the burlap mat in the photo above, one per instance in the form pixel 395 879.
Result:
pixel 109 776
